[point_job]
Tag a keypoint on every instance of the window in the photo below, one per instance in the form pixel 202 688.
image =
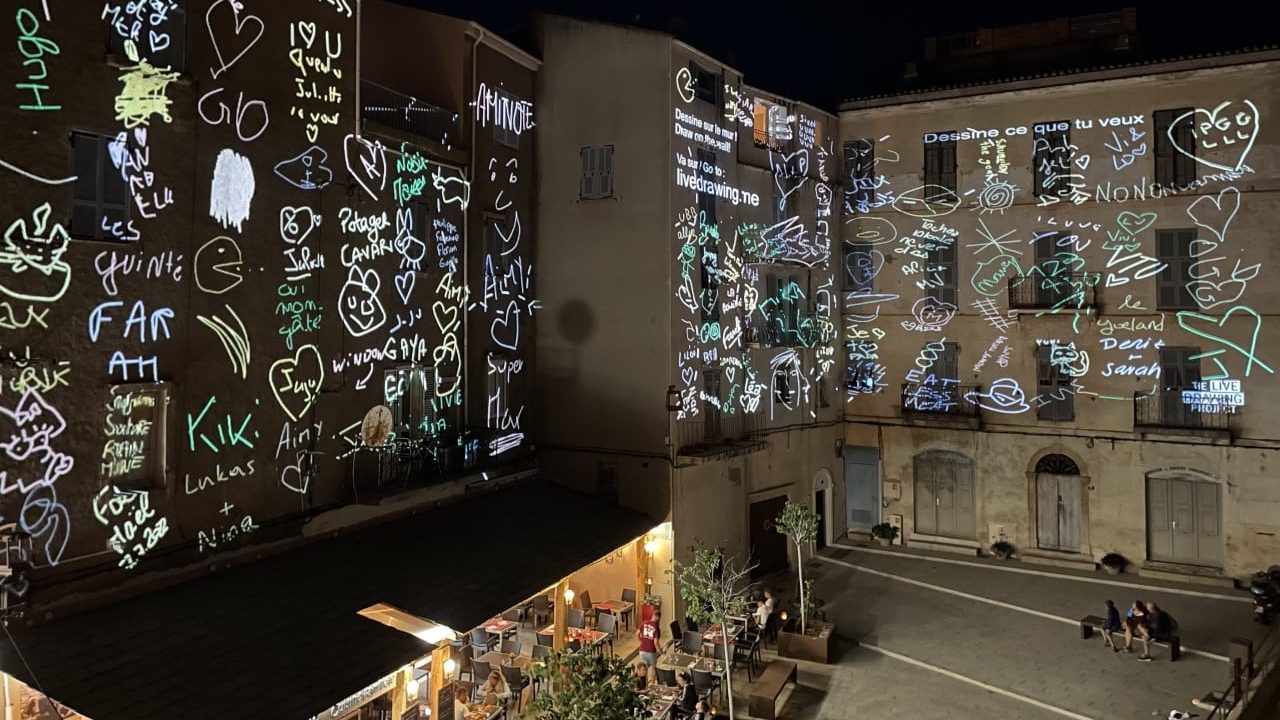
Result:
pixel 1178 371
pixel 706 85
pixel 495 262
pixel 503 135
pixel 1176 156
pixel 948 363
pixel 134 456
pixel 158 31
pixel 711 402
pixel 1055 398
pixel 597 172
pixel 1051 148
pixel 941 273
pixel 859 267
pixel 863 373
pixel 405 391
pixel 859 166
pixel 1050 281
pixel 710 285
pixel 782 386
pixel 1174 249
pixel 707 200
pixel 940 163
pixel 771 124
pixel 100 195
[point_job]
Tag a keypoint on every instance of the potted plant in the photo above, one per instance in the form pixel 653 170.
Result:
pixel 601 682
pixel 808 641
pixel 1113 563
pixel 884 533
pixel 1003 549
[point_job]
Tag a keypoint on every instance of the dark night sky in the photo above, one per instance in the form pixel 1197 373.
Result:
pixel 850 49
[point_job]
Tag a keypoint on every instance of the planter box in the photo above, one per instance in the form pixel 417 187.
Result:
pixel 883 541
pixel 814 646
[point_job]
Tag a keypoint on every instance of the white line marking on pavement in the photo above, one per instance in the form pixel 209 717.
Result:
pixel 1042 573
pixel 975 683
pixel 989 601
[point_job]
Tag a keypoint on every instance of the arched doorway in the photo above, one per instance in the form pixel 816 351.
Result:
pixel 945 495
pixel 1184 517
pixel 822 492
pixel 1058 503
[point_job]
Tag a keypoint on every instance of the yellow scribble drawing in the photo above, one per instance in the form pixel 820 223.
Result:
pixel 143 94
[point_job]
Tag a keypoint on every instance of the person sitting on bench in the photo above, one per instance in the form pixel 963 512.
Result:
pixel 1137 622
pixel 1163 626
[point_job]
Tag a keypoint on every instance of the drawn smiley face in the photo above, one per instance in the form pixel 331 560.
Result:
pixel 1228 131
pixel 358 304
pixel 218 265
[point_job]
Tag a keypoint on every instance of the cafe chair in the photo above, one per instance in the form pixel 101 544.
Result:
pixel 464 662
pixel 575 645
pixel 608 624
pixel 666 676
pixel 577 618
pixel 691 624
pixel 691 642
pixel 481 641
pixel 628 595
pixel 705 683
pixel 676 633
pixel 479 672
pixel 510 647
pixel 541 651
pixel 515 615
pixel 541 612
pixel 585 597
pixel 544 641
pixel 517 681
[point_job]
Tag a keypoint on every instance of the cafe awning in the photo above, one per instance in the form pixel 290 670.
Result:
pixel 281 638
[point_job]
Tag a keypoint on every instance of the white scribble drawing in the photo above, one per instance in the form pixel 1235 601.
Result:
pixel 1227 125
pixel 26 432
pixel 32 176
pixel 371 170
pixel 232 190
pixel 306 171
pixel 358 304
pixel 235 340
pixel 218 265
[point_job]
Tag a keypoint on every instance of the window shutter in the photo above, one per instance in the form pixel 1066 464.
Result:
pixel 606 171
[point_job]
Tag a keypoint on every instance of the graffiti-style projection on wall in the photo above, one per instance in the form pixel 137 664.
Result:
pixel 1038 248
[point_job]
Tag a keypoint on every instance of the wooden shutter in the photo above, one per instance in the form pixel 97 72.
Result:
pixel 1173 247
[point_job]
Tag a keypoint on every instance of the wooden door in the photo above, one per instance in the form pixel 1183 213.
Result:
pixel 768 546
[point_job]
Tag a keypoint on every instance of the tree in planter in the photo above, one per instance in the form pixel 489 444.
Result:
pixel 585 686
pixel 712 588
pixel 799 523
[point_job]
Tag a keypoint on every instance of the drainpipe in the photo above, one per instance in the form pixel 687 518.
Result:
pixel 466 217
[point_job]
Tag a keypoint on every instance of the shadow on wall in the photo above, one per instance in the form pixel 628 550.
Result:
pixel 576 321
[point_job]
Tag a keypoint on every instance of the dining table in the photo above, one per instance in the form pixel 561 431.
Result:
pixel 496 659
pixel 716 634
pixel 499 627
pixel 484 712
pixel 687 662
pixel 660 699
pixel 613 607
pixel 586 636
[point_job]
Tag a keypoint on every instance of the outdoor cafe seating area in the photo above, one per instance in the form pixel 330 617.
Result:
pixel 513 642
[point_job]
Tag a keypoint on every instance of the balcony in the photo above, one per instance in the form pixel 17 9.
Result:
pixel 1063 291
pixel 1166 409
pixel 715 434
pixel 939 400
pixel 408 114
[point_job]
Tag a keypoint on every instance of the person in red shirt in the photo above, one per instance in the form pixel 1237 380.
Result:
pixel 650 635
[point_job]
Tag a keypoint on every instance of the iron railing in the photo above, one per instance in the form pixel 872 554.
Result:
pixel 715 429
pixel 1063 291
pixel 1166 409
pixel 1249 675
pixel 939 399
pixel 409 114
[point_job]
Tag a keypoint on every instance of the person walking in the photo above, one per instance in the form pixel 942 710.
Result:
pixel 650 636
pixel 1110 625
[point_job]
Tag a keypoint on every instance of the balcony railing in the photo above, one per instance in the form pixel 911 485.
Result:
pixel 936 399
pixel 715 430
pixel 1166 409
pixel 1063 291
pixel 408 114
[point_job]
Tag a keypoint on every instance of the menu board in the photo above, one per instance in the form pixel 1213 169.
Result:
pixel 444 701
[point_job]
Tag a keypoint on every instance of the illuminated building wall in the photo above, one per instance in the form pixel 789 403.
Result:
pixel 1077 268
pixel 223 248
pixel 712 275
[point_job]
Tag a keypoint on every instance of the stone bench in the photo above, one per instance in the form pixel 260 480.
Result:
pixel 763 700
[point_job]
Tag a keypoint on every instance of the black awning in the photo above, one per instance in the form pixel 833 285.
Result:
pixel 280 639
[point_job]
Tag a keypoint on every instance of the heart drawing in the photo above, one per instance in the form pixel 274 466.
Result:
pixel 404 285
pixel 296 381
pixel 246 38
pixel 505 329
pixel 1215 212
pixel 1229 131
pixel 1134 223
pixel 1209 328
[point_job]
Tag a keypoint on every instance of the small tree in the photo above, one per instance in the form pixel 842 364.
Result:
pixel 585 686
pixel 712 588
pixel 801 525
